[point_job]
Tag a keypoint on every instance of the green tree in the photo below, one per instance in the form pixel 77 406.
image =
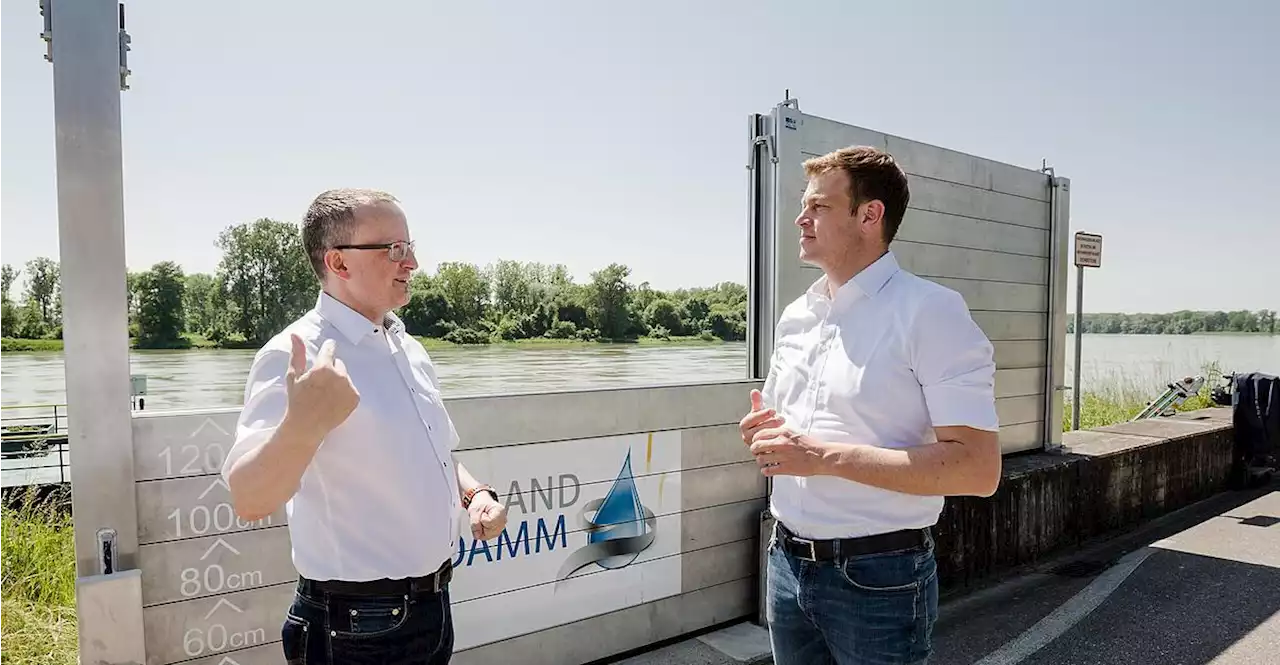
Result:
pixel 265 276
pixel 1267 321
pixel 467 290
pixel 515 288
pixel 200 304
pixel 30 322
pixel 643 297
pixel 131 298
pixel 8 319
pixel 43 286
pixel 664 313
pixel 571 306
pixel 694 312
pixel 607 297
pixel 160 307
pixel 8 313
pixel 1182 322
pixel 7 275
pixel 728 322
pixel 427 313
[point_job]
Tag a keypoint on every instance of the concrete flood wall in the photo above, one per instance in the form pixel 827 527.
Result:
pixel 214 586
pixel 1101 482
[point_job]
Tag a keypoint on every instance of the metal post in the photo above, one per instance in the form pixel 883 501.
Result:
pixel 86 92
pixel 86 42
pixel 1075 377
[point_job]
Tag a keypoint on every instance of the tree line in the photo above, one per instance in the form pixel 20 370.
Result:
pixel 264 281
pixel 1178 323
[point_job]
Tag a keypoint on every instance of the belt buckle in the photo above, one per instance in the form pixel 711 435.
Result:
pixel 813 552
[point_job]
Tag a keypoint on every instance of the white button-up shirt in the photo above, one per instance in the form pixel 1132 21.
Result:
pixel 380 497
pixel 886 360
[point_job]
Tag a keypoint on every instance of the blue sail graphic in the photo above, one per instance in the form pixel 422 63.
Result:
pixel 621 516
pixel 618 528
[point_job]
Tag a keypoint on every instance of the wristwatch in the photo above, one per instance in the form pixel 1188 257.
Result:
pixel 471 493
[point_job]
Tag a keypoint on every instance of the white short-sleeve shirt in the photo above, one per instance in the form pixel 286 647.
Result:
pixel 380 497
pixel 886 360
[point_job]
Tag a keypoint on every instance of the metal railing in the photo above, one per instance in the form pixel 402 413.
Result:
pixel 34 444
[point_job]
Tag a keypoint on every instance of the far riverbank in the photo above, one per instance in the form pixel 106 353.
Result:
pixel 16 345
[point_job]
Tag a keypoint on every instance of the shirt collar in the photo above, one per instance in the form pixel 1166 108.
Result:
pixel 869 282
pixel 352 324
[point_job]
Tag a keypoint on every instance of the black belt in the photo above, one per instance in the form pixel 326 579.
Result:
pixel 411 586
pixel 836 548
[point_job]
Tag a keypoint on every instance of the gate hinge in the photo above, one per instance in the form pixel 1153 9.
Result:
pixel 47 35
pixel 766 139
pixel 124 40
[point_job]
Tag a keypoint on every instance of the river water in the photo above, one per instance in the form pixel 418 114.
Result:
pixel 210 378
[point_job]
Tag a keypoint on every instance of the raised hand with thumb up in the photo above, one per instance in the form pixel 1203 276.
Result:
pixel 322 396
pixel 759 418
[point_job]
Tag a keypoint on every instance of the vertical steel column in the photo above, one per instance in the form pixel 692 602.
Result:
pixel 1055 370
pixel 1079 328
pixel 87 46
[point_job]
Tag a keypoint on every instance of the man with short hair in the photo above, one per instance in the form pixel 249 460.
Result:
pixel 343 422
pixel 879 402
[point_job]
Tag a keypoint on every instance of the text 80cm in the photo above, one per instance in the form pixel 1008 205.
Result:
pixel 214 580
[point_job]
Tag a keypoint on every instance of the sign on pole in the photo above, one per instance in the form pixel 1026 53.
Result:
pixel 1088 255
pixel 1088 250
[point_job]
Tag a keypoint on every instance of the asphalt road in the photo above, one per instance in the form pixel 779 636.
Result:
pixel 1209 592
pixel 1200 586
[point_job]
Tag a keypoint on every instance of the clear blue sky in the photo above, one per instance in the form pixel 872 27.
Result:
pixel 570 132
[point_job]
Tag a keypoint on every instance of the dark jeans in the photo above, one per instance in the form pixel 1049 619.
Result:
pixel 876 609
pixel 330 629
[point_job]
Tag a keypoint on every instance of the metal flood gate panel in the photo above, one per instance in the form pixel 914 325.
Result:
pixel 215 587
pixel 995 233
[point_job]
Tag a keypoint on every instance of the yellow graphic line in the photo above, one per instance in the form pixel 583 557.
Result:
pixel 648 457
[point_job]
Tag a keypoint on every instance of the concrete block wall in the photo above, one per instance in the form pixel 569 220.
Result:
pixel 1103 481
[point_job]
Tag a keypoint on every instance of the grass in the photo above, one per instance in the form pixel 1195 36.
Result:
pixel 38 566
pixel 19 345
pixel 15 345
pixel 37 563
pixel 1123 397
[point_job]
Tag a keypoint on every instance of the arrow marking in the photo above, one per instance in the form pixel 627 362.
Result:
pixel 215 545
pixel 208 422
pixel 217 482
pixel 220 603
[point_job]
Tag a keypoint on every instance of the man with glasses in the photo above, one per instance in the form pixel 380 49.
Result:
pixel 343 423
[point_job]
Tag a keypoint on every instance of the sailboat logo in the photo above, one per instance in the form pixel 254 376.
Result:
pixel 618 527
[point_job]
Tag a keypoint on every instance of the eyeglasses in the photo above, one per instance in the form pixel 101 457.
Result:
pixel 396 251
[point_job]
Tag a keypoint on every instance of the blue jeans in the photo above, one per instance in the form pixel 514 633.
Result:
pixel 871 609
pixel 410 629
